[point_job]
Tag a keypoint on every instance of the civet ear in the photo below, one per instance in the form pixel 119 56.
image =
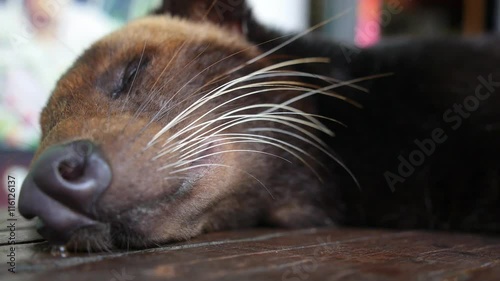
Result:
pixel 230 14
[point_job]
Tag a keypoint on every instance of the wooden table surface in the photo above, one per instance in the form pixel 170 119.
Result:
pixel 268 254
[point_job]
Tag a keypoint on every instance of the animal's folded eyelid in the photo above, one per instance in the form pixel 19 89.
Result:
pixel 128 76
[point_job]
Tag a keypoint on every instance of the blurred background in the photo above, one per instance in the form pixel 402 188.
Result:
pixel 39 39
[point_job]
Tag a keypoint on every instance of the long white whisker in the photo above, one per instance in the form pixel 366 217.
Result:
pixel 313 122
pixel 225 166
pixel 294 135
pixel 293 73
pixel 185 162
pixel 154 92
pixel 338 161
pixel 298 36
pixel 247 119
pixel 222 88
pixel 248 138
pixel 266 140
pixel 303 96
pixel 310 115
pixel 324 89
pixel 197 150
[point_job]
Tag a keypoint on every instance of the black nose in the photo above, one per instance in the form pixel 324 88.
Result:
pixel 62 188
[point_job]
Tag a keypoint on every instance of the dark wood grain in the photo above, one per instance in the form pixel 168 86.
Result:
pixel 270 254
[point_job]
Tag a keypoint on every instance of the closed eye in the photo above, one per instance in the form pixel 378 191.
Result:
pixel 128 77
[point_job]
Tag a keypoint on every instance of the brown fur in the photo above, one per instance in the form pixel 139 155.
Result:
pixel 244 184
pixel 141 207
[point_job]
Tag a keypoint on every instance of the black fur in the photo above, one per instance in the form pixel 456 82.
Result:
pixel 458 185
